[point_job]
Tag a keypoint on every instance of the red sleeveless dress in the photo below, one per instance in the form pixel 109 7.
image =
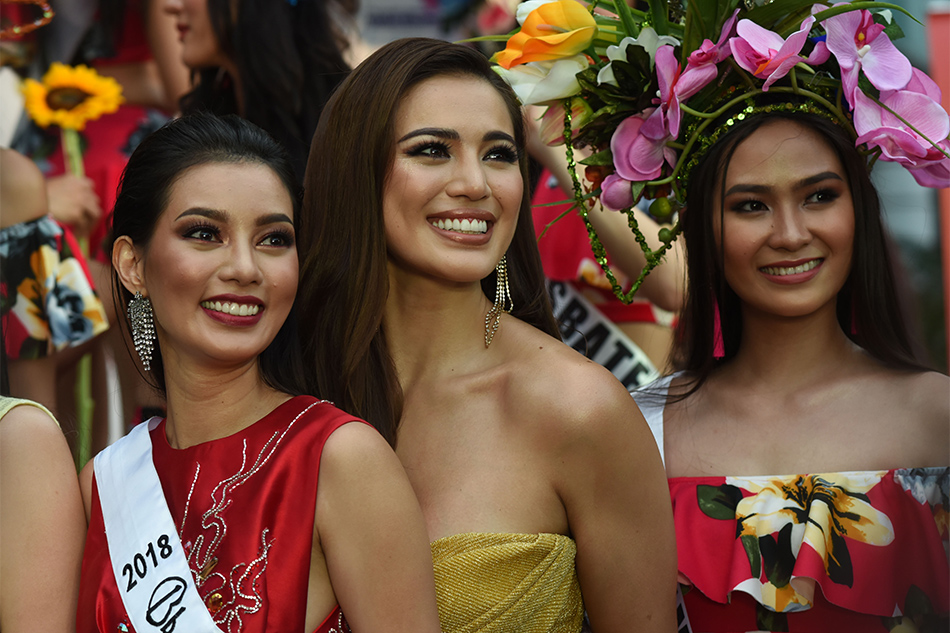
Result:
pixel 244 509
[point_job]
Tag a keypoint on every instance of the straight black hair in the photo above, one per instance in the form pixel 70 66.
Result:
pixel 868 310
pixel 154 167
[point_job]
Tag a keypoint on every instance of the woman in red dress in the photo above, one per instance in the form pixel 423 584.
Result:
pixel 212 518
pixel 807 458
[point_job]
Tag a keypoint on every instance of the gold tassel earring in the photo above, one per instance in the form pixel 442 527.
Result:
pixel 503 301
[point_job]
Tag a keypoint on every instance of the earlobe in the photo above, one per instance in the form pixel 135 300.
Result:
pixel 128 264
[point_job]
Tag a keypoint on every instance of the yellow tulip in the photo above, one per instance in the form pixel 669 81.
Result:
pixel 555 30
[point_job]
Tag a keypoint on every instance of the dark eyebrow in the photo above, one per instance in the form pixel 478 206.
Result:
pixel 801 184
pixel 499 136
pixel 438 132
pixel 452 135
pixel 273 218
pixel 211 214
pixel 811 180
pixel 222 216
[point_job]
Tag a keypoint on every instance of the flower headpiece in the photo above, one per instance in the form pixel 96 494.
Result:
pixel 649 92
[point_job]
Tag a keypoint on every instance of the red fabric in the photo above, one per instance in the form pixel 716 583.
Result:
pixel 566 255
pixel 888 556
pixel 740 615
pixel 131 40
pixel 270 512
pixel 104 157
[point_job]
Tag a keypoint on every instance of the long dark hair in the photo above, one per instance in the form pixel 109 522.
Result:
pixel 344 275
pixel 868 310
pixel 146 184
pixel 289 58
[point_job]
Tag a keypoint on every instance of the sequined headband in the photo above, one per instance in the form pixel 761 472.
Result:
pixel 707 138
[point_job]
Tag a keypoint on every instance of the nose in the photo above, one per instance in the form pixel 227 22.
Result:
pixel 469 179
pixel 172 7
pixel 790 230
pixel 242 265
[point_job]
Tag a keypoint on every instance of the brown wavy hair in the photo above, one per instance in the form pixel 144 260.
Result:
pixel 344 280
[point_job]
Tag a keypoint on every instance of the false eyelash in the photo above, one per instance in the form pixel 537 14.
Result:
pixel 287 236
pixel 739 205
pixel 830 194
pixel 200 226
pixel 420 148
pixel 508 153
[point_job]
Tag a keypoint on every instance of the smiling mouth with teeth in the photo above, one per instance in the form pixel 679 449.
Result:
pixel 469 227
pixel 781 271
pixel 234 309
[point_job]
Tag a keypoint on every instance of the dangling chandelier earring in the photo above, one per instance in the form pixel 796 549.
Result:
pixel 503 301
pixel 143 328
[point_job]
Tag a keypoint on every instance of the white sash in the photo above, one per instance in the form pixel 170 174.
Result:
pixel 150 567
pixel 587 330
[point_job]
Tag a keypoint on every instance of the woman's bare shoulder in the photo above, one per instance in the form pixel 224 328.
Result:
pixel 927 398
pixel 915 408
pixel 26 428
pixel 572 393
pixel 34 453
pixel 923 396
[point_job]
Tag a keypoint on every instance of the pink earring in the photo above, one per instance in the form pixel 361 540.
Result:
pixel 719 349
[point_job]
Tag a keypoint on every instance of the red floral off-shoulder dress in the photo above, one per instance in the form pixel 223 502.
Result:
pixel 848 552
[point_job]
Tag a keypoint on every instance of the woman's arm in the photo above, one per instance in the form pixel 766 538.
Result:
pixel 42 528
pixel 373 535
pixel 22 189
pixel 612 483
pixel 665 285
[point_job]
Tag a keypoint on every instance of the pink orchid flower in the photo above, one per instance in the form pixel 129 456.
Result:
pixel 709 53
pixel 676 86
pixel 616 193
pixel 878 127
pixel 767 56
pixel 639 146
pixel 920 82
pixel 935 174
pixel 858 43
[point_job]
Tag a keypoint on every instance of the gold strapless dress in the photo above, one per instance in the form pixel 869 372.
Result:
pixel 507 583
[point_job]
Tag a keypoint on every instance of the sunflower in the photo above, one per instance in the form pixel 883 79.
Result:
pixel 69 96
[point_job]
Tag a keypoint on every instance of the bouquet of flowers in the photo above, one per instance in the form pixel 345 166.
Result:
pixel 648 92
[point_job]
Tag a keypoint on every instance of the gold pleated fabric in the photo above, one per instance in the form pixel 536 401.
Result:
pixel 505 583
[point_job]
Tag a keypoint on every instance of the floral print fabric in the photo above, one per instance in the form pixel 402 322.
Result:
pixel 46 296
pixel 857 551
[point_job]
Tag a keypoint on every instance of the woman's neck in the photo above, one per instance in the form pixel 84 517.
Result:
pixel 208 403
pixel 788 353
pixel 433 328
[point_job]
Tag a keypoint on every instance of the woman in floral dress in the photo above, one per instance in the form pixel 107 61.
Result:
pixel 807 455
